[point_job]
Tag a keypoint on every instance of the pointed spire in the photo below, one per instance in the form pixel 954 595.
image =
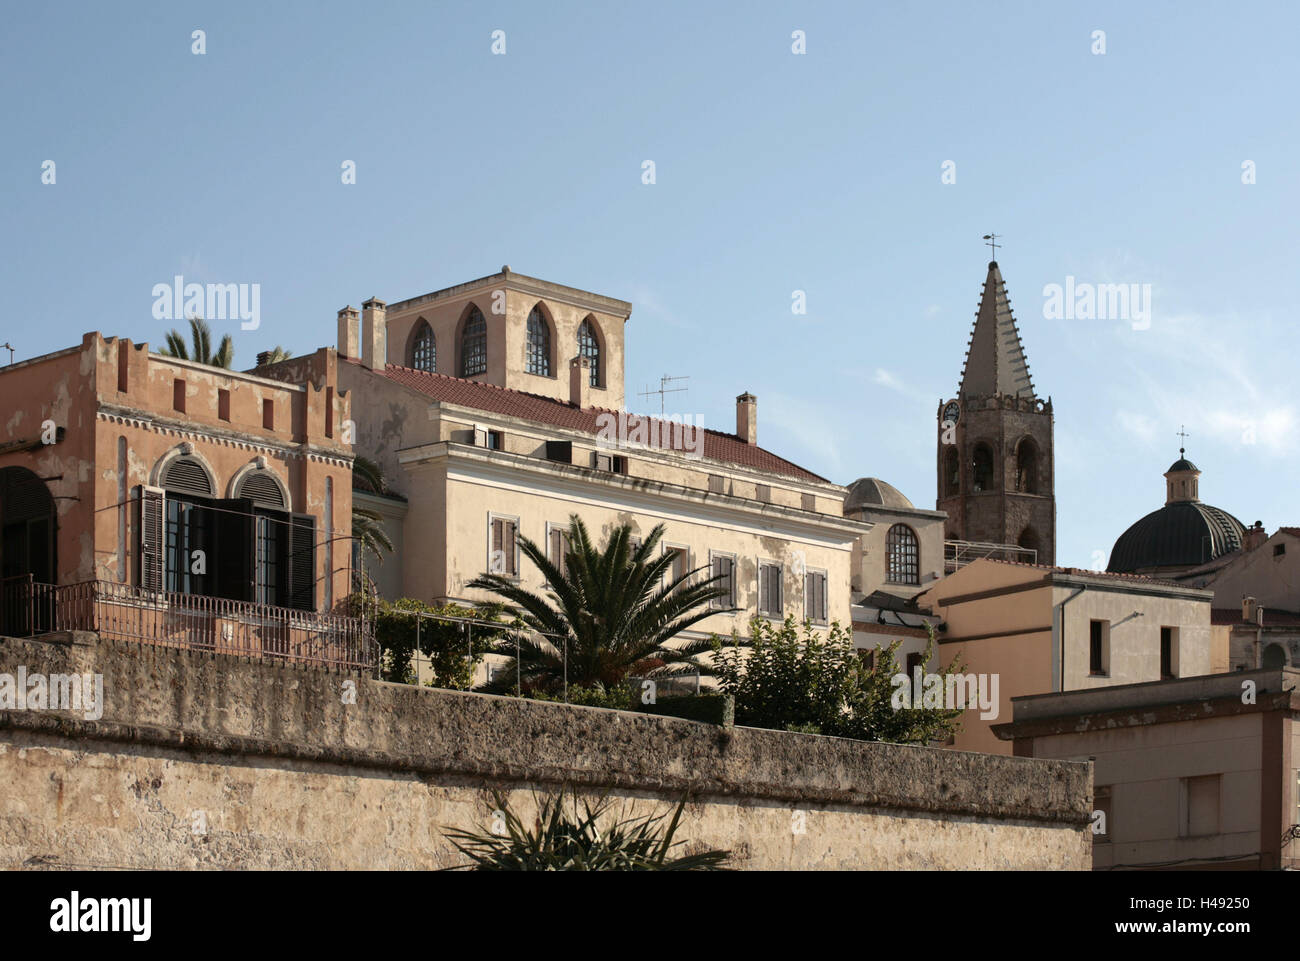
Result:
pixel 995 358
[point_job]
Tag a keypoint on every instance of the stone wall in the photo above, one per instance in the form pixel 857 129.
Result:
pixel 203 760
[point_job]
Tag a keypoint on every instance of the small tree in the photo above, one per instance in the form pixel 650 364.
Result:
pixel 454 647
pixel 817 684
pixel 200 351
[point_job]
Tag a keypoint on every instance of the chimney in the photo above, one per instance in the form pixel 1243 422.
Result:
pixel 1247 608
pixel 747 418
pixel 350 333
pixel 374 333
pixel 580 382
pixel 1254 536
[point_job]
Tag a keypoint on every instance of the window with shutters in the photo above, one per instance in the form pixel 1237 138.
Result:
pixel 503 550
pixel 557 546
pixel 814 596
pixel 27 526
pixel 769 590
pixel 681 563
pixel 722 567
pixel 261 487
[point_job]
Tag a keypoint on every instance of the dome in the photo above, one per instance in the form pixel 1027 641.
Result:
pixel 873 492
pixel 1180 534
pixel 1182 464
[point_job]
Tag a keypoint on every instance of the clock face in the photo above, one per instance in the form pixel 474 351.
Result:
pixel 952 412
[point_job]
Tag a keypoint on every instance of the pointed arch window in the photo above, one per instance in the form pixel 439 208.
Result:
pixel 902 556
pixel 1027 467
pixel 473 344
pixel 539 344
pixel 982 468
pixel 589 347
pixel 424 354
pixel 951 472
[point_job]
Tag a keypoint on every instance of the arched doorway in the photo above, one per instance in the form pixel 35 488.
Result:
pixel 27 548
pixel 1274 657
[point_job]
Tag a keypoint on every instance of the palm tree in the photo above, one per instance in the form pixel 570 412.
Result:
pixel 604 613
pixel 202 346
pixel 367 525
pixel 275 355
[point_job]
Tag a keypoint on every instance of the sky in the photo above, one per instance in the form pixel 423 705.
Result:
pixel 862 172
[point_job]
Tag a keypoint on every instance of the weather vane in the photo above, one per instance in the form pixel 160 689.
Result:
pixel 993 242
pixel 1182 438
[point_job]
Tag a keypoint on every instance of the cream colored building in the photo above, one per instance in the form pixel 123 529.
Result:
pixel 1045 629
pixel 479 454
pixel 1196 773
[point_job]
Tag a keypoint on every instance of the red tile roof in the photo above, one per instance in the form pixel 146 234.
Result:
pixel 718 446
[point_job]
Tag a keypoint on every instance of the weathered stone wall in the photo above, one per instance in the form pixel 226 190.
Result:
pixel 204 760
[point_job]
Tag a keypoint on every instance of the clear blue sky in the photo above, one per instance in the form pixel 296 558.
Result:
pixel 775 173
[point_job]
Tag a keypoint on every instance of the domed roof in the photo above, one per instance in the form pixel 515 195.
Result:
pixel 1182 464
pixel 1180 534
pixel 873 492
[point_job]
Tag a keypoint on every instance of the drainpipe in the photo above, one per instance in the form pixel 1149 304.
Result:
pixel 1060 685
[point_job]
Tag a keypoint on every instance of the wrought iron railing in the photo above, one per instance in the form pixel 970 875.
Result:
pixel 957 554
pixel 192 621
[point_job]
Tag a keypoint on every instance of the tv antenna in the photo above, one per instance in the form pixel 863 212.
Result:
pixel 9 347
pixel 664 381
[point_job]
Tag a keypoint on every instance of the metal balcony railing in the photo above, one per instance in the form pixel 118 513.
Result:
pixel 957 554
pixel 192 621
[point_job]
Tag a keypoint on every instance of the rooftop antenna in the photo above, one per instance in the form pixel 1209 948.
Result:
pixel 9 347
pixel 993 242
pixel 664 381
pixel 1182 438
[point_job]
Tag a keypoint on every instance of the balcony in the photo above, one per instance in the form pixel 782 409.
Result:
pixel 123 612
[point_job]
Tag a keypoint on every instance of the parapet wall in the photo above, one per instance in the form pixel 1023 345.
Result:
pixel 205 760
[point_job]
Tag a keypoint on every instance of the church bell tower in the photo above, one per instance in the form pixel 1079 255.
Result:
pixel 996 464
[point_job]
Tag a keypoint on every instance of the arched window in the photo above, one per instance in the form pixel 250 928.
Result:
pixel 539 344
pixel 186 475
pixel 982 468
pixel 902 556
pixel 1027 467
pixel 27 522
pixel 951 472
pixel 473 344
pixel 188 527
pixel 1274 657
pixel 424 354
pixel 589 347
pixel 260 487
pixel 1029 539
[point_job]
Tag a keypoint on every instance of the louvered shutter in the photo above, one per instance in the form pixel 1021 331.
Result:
pixel 302 562
pixel 150 535
pixel 235 547
pixel 508 545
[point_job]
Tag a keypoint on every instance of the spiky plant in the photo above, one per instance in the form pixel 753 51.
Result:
pixel 570 838
pixel 201 349
pixel 604 612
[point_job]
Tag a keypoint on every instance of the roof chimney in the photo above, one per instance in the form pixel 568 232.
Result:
pixel 1247 608
pixel 1254 536
pixel 374 333
pixel 747 418
pixel 580 382
pixel 350 333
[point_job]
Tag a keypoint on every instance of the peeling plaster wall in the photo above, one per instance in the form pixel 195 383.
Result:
pixel 279 772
